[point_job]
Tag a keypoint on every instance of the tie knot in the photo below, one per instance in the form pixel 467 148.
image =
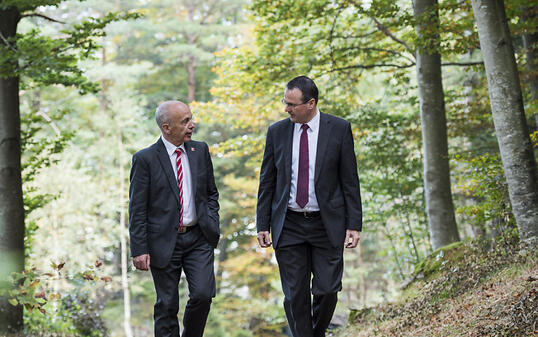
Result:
pixel 179 151
pixel 304 127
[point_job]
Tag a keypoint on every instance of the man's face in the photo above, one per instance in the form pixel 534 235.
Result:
pixel 181 125
pixel 299 112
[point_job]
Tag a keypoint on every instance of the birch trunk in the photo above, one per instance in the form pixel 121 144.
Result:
pixel 508 114
pixel 439 206
pixel 530 44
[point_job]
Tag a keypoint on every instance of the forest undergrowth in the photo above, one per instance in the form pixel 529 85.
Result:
pixel 464 289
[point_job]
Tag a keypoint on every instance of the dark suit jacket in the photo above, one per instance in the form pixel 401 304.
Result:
pixel 154 200
pixel 335 179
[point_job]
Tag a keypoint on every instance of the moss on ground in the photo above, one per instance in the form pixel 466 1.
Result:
pixel 433 264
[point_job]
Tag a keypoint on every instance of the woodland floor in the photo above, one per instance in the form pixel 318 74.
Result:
pixel 461 290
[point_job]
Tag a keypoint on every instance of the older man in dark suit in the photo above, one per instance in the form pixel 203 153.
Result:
pixel 174 221
pixel 309 199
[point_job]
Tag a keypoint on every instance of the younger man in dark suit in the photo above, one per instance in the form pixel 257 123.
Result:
pixel 309 199
pixel 174 220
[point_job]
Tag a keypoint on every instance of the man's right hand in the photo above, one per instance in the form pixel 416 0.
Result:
pixel 141 262
pixel 264 239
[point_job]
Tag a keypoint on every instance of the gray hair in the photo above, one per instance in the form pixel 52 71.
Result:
pixel 165 111
pixel 162 114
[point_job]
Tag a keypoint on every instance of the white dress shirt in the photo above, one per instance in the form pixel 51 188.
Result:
pixel 312 131
pixel 189 209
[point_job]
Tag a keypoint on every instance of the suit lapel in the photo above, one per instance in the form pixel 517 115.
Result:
pixel 192 154
pixel 323 140
pixel 164 159
pixel 288 147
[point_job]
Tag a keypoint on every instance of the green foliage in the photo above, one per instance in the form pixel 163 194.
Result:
pixel 486 185
pixel 264 317
pixel 323 37
pixel 42 60
pixel 76 314
pixel 40 148
pixel 390 172
pixel 27 5
pixel 22 289
pixel 178 37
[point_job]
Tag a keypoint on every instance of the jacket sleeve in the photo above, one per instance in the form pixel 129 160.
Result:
pixel 349 181
pixel 138 206
pixel 266 187
pixel 212 192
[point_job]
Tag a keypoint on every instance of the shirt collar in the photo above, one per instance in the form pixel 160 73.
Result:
pixel 171 148
pixel 312 125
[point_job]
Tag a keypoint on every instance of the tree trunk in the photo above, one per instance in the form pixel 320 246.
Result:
pixel 439 206
pixel 191 69
pixel 411 237
pixel 508 114
pixel 530 44
pixel 362 280
pixel 11 200
pixel 103 104
pixel 389 236
pixel 123 242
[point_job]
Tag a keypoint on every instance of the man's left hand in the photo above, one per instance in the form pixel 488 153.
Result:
pixel 352 238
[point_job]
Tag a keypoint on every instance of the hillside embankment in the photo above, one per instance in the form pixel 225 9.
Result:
pixel 461 290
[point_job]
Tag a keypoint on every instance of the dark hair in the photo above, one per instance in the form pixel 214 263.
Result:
pixel 306 85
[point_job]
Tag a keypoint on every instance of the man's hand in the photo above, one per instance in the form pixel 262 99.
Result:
pixel 264 239
pixel 141 262
pixel 352 238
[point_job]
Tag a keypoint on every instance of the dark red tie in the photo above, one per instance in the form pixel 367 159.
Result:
pixel 180 185
pixel 302 176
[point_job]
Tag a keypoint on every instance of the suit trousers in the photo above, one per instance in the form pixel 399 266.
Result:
pixel 194 255
pixel 305 255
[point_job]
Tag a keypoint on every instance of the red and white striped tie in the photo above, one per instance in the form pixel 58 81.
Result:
pixel 180 185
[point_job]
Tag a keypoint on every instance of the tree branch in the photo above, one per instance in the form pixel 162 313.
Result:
pixel 333 61
pixel 336 36
pixel 50 121
pixel 462 64
pixel 389 34
pixel 6 42
pixel 208 12
pixel 388 51
pixel 375 65
pixel 41 16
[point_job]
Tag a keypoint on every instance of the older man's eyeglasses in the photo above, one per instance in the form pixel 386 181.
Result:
pixel 292 105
